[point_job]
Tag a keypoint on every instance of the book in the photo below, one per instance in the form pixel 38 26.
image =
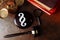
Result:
pixel 48 6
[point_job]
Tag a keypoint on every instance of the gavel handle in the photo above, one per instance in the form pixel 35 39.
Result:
pixel 38 19
pixel 17 34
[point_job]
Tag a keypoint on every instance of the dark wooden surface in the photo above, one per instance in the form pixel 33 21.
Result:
pixel 49 24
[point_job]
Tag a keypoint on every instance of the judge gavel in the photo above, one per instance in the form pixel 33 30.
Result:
pixel 37 31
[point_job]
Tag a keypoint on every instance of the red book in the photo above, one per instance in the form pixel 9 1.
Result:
pixel 48 6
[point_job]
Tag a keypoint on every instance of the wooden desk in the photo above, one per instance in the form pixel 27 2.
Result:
pixel 50 25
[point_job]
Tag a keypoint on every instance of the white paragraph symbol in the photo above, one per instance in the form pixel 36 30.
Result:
pixel 22 19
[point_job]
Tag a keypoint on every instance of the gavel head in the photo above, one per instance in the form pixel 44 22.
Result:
pixel 37 31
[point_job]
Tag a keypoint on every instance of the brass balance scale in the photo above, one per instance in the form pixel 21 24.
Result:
pixel 6 5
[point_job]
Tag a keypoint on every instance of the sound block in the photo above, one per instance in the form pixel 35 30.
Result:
pixel 24 19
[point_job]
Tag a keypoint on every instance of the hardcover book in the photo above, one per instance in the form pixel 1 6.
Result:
pixel 48 6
